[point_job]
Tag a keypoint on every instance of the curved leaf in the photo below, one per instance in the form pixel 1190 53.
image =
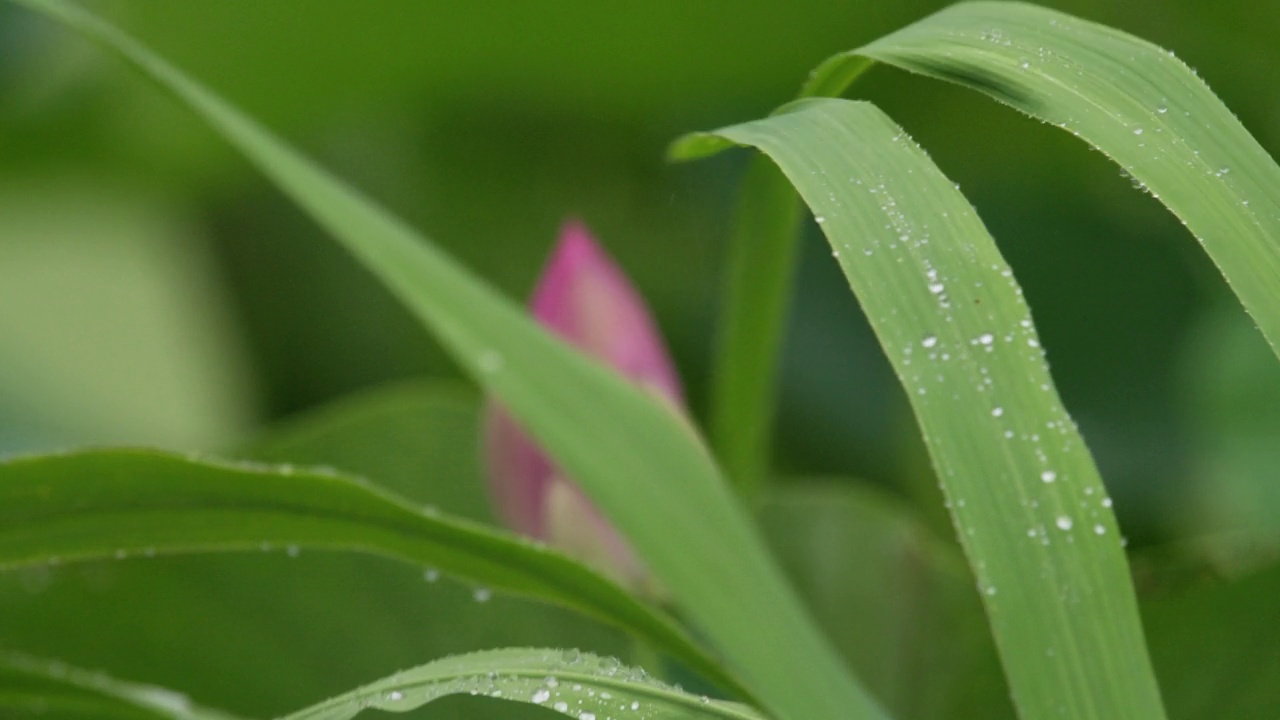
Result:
pixel 640 462
pixel 580 685
pixel 1132 100
pixel 120 503
pixel 1025 496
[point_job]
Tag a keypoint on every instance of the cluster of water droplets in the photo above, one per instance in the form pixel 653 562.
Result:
pixel 580 685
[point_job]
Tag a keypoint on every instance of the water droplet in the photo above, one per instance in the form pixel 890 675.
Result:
pixel 1063 522
pixel 571 656
pixel 586 716
pixel 1162 109
pixel 1106 502
pixel 986 338
pixel 991 590
pixel 1048 476
pixel 1099 529
pixel 936 288
pixel 997 412
pixel 1137 131
pixel 482 595
pixel 431 575
pixel 635 704
pixel 819 219
pixel 561 706
pixel 541 696
pixel 395 696
pixel 293 550
pixel 929 341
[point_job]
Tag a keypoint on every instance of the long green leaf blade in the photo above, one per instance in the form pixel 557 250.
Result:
pixel 1025 496
pixel 121 503
pixel 1132 100
pixel 31 688
pixel 641 463
pixel 572 683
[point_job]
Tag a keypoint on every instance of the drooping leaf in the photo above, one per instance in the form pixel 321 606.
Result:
pixel 580 685
pixel 1134 101
pixel 277 630
pixel 1025 496
pixel 107 504
pixel 641 463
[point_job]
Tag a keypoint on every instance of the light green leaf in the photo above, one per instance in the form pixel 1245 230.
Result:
pixel 1025 496
pixel 31 688
pixel 119 503
pixel 1132 100
pixel 640 462
pixel 582 686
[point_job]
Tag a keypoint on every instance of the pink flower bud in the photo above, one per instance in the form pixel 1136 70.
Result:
pixel 584 298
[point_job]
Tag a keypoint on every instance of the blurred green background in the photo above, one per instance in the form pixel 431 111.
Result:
pixel 156 291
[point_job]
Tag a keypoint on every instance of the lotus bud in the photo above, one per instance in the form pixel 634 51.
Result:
pixel 584 298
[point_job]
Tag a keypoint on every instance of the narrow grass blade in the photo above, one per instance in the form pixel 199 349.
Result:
pixel 1135 102
pixel 31 688
pixel 1025 496
pixel 123 503
pixel 637 459
pixel 761 266
pixel 571 683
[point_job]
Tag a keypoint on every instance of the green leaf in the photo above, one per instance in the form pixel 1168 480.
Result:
pixel 1132 100
pixel 119 503
pixel 275 630
pixel 569 682
pixel 640 462
pixel 31 688
pixel 761 266
pixel 1025 496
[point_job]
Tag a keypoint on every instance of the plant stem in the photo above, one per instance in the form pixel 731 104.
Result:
pixel 753 315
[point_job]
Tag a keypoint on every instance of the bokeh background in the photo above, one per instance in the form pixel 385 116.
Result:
pixel 155 291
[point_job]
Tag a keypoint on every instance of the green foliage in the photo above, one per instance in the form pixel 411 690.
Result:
pixel 121 503
pixel 1025 496
pixel 567 681
pixel 869 585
